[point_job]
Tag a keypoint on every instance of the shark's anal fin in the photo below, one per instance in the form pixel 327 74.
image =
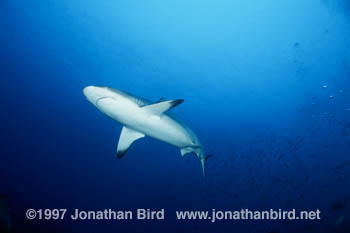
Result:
pixel 161 107
pixel 127 137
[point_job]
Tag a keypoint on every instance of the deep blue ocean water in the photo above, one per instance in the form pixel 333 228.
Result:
pixel 266 86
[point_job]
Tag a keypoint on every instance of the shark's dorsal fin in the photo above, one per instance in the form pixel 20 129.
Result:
pixel 127 137
pixel 161 107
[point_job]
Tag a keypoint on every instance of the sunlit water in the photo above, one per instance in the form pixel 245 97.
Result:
pixel 266 86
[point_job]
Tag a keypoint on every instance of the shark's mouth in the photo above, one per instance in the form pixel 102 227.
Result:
pixel 102 98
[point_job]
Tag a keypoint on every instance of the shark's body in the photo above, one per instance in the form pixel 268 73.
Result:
pixel 141 117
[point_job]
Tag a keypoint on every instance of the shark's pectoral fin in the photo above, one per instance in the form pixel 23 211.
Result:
pixel 127 137
pixel 161 107
pixel 186 150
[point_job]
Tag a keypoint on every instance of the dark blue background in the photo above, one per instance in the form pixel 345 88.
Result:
pixel 251 73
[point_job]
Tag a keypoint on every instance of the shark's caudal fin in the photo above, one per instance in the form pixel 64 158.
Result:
pixel 127 137
pixel 199 152
pixel 203 160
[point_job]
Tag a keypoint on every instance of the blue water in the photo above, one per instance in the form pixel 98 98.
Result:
pixel 252 74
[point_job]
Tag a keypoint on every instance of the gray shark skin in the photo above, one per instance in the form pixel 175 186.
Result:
pixel 141 118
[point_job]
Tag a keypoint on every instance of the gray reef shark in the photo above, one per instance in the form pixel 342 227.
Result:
pixel 141 118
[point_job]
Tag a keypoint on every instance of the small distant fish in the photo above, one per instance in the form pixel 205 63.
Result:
pixel 324 87
pixel 331 96
pixel 313 103
pixel 339 221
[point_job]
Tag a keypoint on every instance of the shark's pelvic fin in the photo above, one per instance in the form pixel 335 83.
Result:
pixel 127 137
pixel 161 107
pixel 186 150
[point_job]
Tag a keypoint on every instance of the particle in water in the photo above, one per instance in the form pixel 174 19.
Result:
pixel 341 91
pixel 331 96
pixel 324 87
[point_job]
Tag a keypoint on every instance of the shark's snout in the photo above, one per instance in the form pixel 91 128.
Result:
pixel 88 90
pixel 91 93
pixel 95 93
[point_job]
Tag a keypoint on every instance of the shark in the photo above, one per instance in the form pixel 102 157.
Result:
pixel 141 117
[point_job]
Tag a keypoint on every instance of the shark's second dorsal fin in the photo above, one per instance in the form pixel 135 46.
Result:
pixel 127 137
pixel 161 107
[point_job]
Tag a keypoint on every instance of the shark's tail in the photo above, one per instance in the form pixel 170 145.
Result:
pixel 203 160
pixel 198 151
